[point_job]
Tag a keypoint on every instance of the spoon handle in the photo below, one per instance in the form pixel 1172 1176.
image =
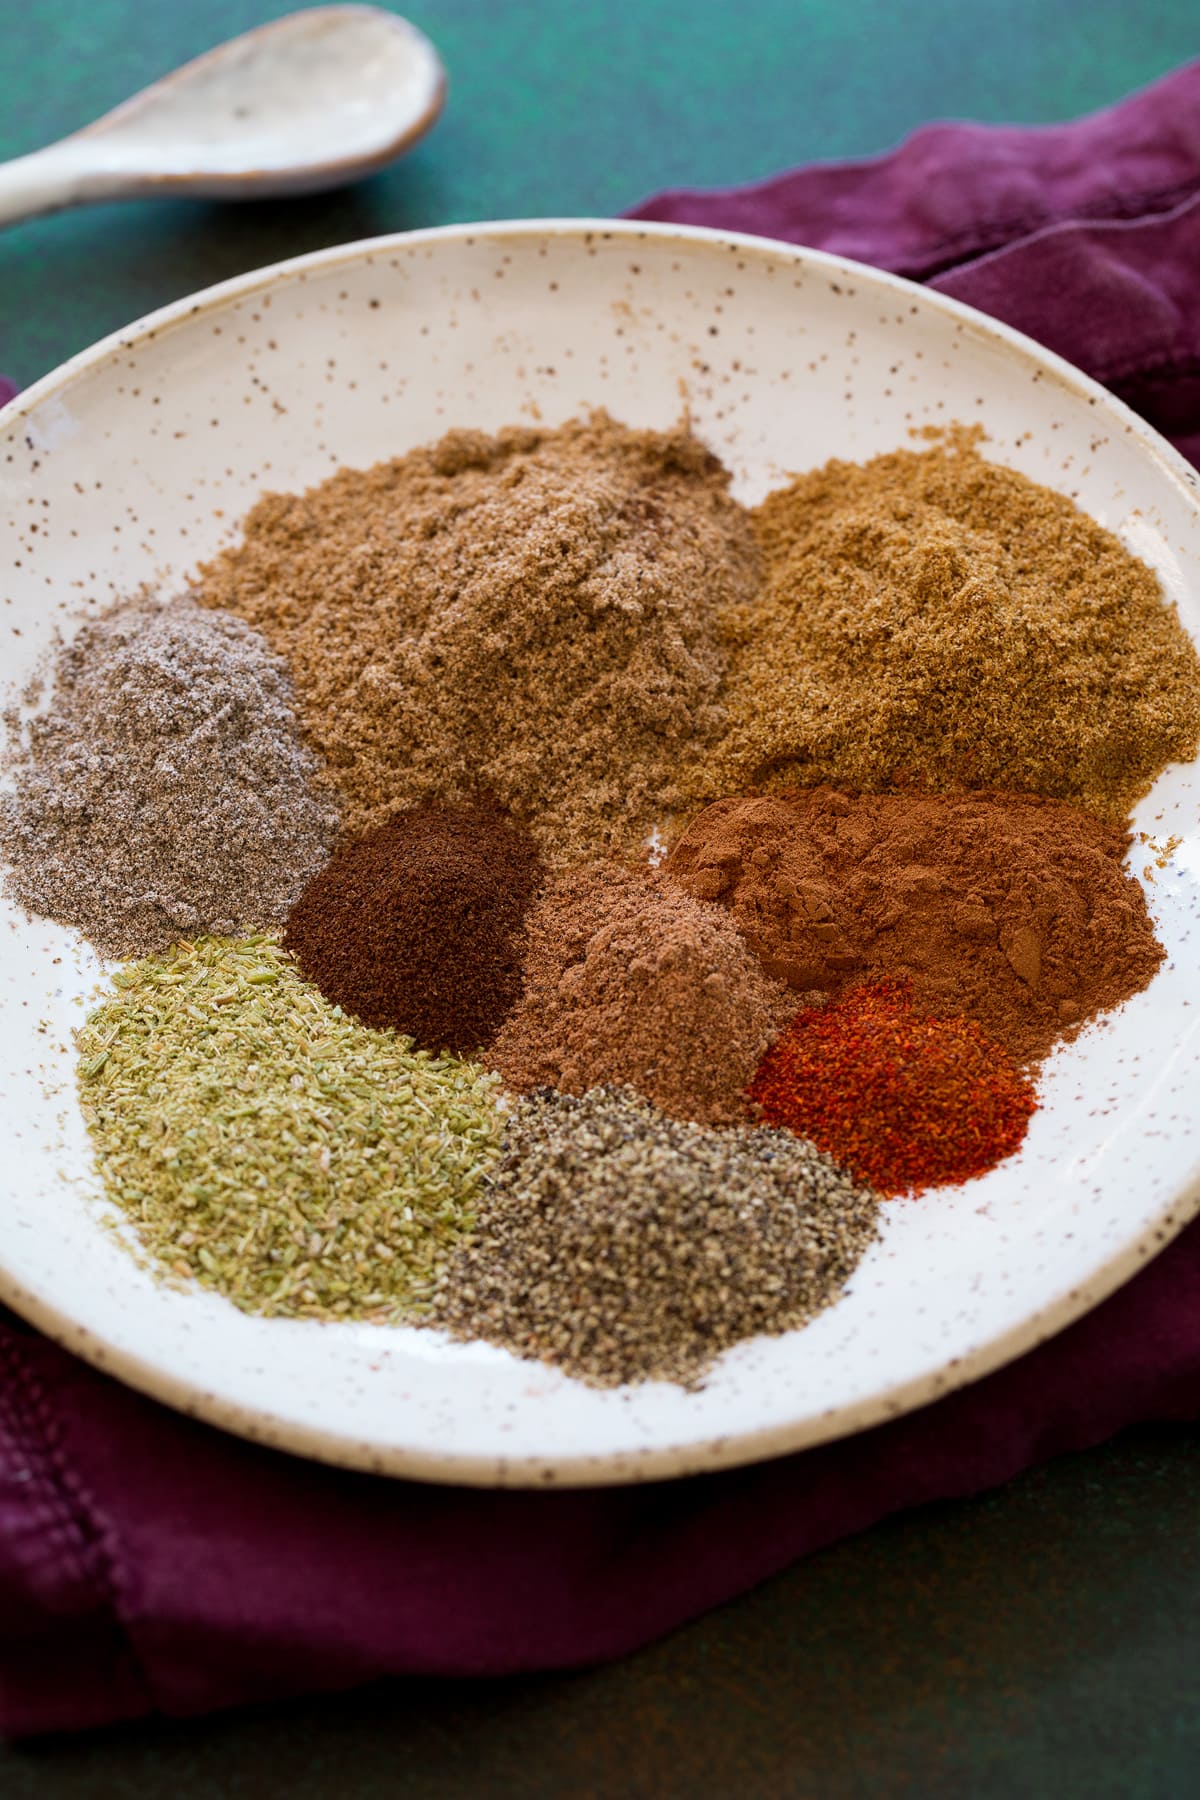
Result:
pixel 56 177
pixel 41 183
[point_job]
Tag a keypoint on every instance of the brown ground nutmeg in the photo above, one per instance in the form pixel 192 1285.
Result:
pixel 628 981
pixel 417 925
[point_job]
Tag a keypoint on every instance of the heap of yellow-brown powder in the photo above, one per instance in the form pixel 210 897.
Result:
pixel 531 616
pixel 933 619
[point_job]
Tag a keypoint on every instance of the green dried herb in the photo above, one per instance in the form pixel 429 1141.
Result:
pixel 265 1145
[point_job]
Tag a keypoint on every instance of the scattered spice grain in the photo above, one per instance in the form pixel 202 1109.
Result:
pixel 623 1246
pixel 630 982
pixel 934 619
pixel 418 925
pixel 165 791
pixel 1013 910
pixel 264 1145
pixel 531 614
pixel 904 1100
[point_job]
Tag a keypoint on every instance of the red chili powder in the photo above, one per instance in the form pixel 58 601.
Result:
pixel 904 1100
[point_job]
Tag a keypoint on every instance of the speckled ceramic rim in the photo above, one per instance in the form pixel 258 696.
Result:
pixel 664 1460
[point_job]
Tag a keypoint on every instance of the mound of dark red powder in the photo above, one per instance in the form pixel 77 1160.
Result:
pixel 418 925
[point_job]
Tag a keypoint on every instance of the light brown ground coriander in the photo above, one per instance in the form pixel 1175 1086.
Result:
pixel 931 618
pixel 630 981
pixel 532 614
pixel 623 1246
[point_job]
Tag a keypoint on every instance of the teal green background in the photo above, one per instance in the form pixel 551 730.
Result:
pixel 556 107
pixel 1043 1640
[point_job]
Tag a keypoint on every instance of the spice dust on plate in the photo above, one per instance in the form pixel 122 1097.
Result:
pixel 506 1074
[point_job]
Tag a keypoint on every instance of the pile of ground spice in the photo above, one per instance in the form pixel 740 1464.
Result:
pixel 165 790
pixel 1012 910
pixel 622 1246
pixel 630 982
pixel 532 614
pixel 937 620
pixel 905 1101
pixel 266 1146
pixel 417 925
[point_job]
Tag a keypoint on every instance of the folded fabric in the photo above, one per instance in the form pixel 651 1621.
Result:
pixel 1086 236
pixel 149 1562
pixel 953 192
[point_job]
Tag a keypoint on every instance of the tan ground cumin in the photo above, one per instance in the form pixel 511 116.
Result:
pixel 931 618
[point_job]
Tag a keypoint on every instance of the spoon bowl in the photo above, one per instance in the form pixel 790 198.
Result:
pixel 310 101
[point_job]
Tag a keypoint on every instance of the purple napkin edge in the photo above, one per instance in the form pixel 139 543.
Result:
pixel 1133 318
pixel 1041 1405
pixel 954 169
pixel 57 1573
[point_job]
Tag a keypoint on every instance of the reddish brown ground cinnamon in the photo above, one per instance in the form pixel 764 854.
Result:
pixel 628 981
pixel 1012 910
pixel 417 925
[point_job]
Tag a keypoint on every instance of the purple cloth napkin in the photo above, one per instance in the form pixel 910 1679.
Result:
pixel 151 1563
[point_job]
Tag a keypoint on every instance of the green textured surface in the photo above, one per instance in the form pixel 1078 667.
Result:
pixel 556 106
pixel 1040 1641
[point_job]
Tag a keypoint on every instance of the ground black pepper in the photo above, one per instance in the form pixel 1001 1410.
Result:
pixel 624 1246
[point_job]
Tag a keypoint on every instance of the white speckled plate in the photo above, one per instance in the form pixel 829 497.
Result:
pixel 139 456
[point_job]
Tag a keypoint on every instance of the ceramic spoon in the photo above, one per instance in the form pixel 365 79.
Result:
pixel 308 102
